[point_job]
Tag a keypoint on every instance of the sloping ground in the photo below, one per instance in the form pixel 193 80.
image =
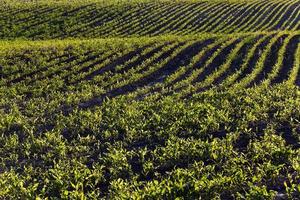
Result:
pixel 150 18
pixel 61 137
pixel 215 145
pixel 207 108
pixel 143 66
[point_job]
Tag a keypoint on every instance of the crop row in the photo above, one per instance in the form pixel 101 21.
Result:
pixel 60 137
pixel 42 21
pixel 147 65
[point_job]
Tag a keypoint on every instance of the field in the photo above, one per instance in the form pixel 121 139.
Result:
pixel 186 99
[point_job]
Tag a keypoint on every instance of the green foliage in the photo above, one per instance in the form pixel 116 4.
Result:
pixel 214 145
pixel 208 107
pixel 61 19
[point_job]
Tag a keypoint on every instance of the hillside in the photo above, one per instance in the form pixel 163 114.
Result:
pixel 149 99
pixel 92 19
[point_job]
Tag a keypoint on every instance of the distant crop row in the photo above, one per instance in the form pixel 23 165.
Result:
pixel 40 20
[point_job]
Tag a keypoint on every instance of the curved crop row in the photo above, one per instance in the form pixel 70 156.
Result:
pixel 186 66
pixel 44 21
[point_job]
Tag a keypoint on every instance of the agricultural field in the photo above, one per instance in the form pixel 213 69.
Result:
pixel 185 99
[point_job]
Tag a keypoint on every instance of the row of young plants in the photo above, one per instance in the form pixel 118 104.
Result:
pixel 184 65
pixel 246 17
pixel 283 14
pixel 220 17
pixel 256 74
pixel 258 16
pixel 274 72
pixel 86 19
pixel 296 68
pixel 241 15
pixel 288 14
pixel 273 14
pixel 191 18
